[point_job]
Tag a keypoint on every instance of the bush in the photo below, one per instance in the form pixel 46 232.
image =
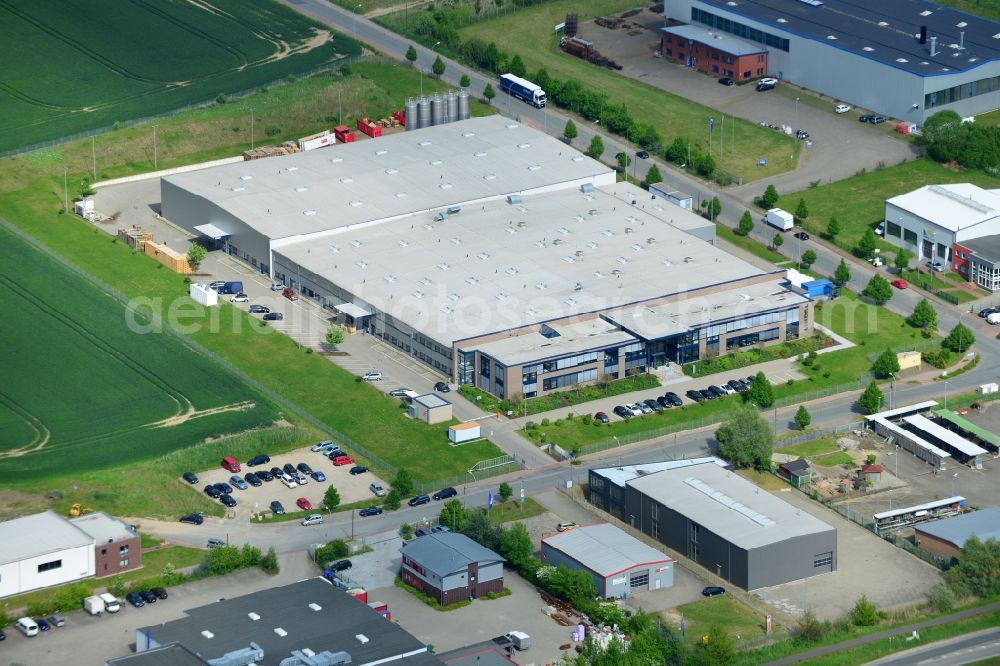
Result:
pixel 71 597
pixel 864 613
pixel 811 630
pixel 334 550
pixel 270 562
pixel 250 556
pixel 392 500
pixel 942 597
pixel 406 531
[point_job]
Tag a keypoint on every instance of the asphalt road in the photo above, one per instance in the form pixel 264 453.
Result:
pixel 963 650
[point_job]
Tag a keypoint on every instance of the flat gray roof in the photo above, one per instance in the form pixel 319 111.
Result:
pixel 431 400
pixel 572 339
pixel 657 321
pixel 605 549
pixel 986 248
pixel 953 206
pixel 622 475
pixel 947 436
pixel 174 654
pixel 350 184
pixel 497 266
pixel 985 524
pixel 722 41
pixel 728 505
pixel 103 527
pixel 445 553
pixel 40 534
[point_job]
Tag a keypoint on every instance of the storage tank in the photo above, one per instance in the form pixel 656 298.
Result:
pixel 423 113
pixel 437 110
pixel 463 105
pixel 412 122
pixel 450 107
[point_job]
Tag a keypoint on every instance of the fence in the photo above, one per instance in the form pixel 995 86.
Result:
pixel 470 477
pixel 230 97
pixel 817 433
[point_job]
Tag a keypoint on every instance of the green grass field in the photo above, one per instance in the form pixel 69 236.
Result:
pixel 80 385
pixel 142 59
pixel 741 623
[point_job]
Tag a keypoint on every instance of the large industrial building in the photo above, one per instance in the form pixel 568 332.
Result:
pixel 715 517
pixel 946 538
pixel 907 59
pixel 493 253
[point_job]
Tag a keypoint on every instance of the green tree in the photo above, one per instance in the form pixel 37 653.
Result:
pixel 249 555
pixel 866 246
pixel 777 241
pixel 864 613
pixel 333 550
pixel 516 545
pixel 746 224
pixel 653 175
pixel 878 290
pixel 489 93
pixel 403 483
pixel 872 399
pixel 269 563
pixel 505 491
pixel 411 54
pixel 924 315
pixel 833 227
pixel 802 417
pixel 942 597
pixel 761 393
pixel 465 82
pixel 453 515
pixel 623 159
pixel 334 335
pixel 715 648
pixel 479 528
pixel 808 258
pixel 801 212
pixel 331 498
pixel 902 260
pixel 516 66
pixel 770 197
pixel 438 66
pixel 811 630
pixel 392 500
pixel 746 440
pixel 715 208
pixel 960 339
pixel 596 148
pixel 569 132
pixel 196 255
pixel 843 274
pixel 977 567
pixel 886 364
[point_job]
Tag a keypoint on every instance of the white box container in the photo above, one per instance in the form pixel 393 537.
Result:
pixel 986 389
pixel 204 294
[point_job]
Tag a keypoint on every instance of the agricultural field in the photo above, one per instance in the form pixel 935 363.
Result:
pixel 74 67
pixel 81 388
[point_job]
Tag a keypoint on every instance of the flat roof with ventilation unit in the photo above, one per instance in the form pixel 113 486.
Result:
pixel 953 206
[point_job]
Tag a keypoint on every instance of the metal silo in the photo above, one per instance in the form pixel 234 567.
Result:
pixel 450 107
pixel 423 113
pixel 437 110
pixel 463 105
pixel 412 121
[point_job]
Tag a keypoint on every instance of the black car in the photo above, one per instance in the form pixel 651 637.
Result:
pixel 228 501
pixel 358 469
pixel 148 596
pixel 289 469
pixel 370 511
pixel 801 134
pixel 622 412
pixel 642 155
pixel 193 519
pixel 761 87
pixel 264 475
pixel 445 493
pixel 442 387
pixel 726 81
pixel 695 395
pixel 259 309
pixel 421 531
pixel 277 508
pixel 341 565
pixel 986 312
pixel 3 636
pixel 865 118
pixel 224 488
pixel 190 477
pixel 273 316
pixel 258 460
pixel 801 235
pixel 876 120
pixel 713 591
pixel 717 391
pixel 43 624
pixel 304 468
pixel 736 385
pixel 159 592
pixel 653 404
pixel 664 402
pixel 276 471
pixel 252 479
pixel 602 417
pixel 135 599
pixel 419 499
pixel 674 399
pixel 212 491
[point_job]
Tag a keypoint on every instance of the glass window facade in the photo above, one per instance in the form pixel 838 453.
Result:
pixel 963 91
pixel 562 381
pixel 893 229
pixel 467 368
pixel 738 29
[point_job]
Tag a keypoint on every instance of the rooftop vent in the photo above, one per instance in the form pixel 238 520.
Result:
pixel 356 243
pixel 207 634
pixel 512 125
pixel 490 176
pixel 782 20
pixel 390 278
pixel 568 259
pixel 500 296
pixel 391 171
pixel 418 294
pixel 355 203
pixel 564 231
pixel 513 199
pixel 425 281
pixel 883 24
pixel 237 188
pixel 361 638
pixel 445 186
pixel 424 143
pixel 479 154
pixel 535 167
pixel 446 309
pixel 578 158
pixel 400 195
pixel 570 301
pixel 557 241
pixel 578 253
pixel 524 145
pixel 598 274
pixel 622 260
pixel 650 241
pixel 435 163
pixel 281 632
pixel 403 242
pixel 347 180
pixel 521 224
pixel 831 37
pixel 511 230
pixel 292 168
pixel 608 233
pixel 468 135
pixel 316 607
pixel 336 160
pixel 308 213
pixel 539 286
pixel 246 177
pixel 636 247
pixel 586 188
pixel 510 270
pixel 453 296
pixel 455 240
pixel 867 48
pixel 667 262
pixel 301 188
pixel 362 264
pixel 483 255
pixel 381 151
pixel 926 12
pixel 444 265
pixel 253 616
pixel 472 279
pixel 540 243
pixel 429 227
pixel 334 248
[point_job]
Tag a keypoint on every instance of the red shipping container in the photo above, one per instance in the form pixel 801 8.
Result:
pixel 369 128
pixel 903 128
pixel 359 594
pixel 378 605
pixel 400 116
pixel 344 134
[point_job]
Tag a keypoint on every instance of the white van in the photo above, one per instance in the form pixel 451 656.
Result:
pixel 313 519
pixel 111 603
pixel 288 481
pixel 27 626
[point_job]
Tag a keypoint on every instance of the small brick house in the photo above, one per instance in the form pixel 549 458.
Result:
pixel 116 544
pixel 451 567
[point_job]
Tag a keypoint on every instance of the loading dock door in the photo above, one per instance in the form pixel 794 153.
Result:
pixel 823 563
pixel 639 579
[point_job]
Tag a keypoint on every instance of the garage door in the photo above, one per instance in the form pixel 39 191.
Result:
pixel 823 562
pixel 639 578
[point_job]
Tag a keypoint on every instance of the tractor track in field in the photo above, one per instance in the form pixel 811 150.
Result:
pixel 42 434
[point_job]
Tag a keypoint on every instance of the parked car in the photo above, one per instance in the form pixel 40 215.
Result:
pixel 717 391
pixel 273 316
pixel 986 312
pixel 899 283
pixel 842 108
pixel 421 531
pixel 212 491
pixel 441 387
pixel 228 500
pixel 602 417
pixel 239 298
pixel 330 450
pixel 419 499
pixel 801 235
pixel 399 392
pixel 277 508
pixel 372 376
pixel 342 460
pixel 290 294
pixel 726 81
pixel 713 591
pixel 265 475
pixel 567 525
pixel 636 409
pixel 288 481
pixel 801 134
pixel 43 625
pixel 259 309
pixel 193 519
pixel 694 394
pixel 445 493
pixel 218 284
pixel 161 593
pixel 215 542
pixel 303 504
pixel 223 488
pixel 304 468
pixel 761 86
pixel 260 459
pixel 663 402
pixel 358 469
pixel 341 565
pixel 674 399
pixel 440 528
pixel 238 482
pixel 56 620
pixel 622 412
pixel 653 405
pixel 370 511
pixel 135 599
pixel 277 286
pixel 642 154
pixel 936 266
pixel 876 120
pixel 148 596
pixel 289 469
pixel 865 118
pixel 643 408
pixel 230 465
pixel 318 476
pixel 377 489
pixel 312 519
pixel 190 477
pixel 252 479
pixel 319 446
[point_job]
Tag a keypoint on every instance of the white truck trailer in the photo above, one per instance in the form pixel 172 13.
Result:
pixel 779 219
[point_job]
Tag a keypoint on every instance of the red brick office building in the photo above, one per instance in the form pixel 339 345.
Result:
pixel 717 53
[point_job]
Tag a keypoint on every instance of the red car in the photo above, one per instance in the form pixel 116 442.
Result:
pixel 304 504
pixel 339 461
pixel 290 294
pixel 229 463
pixel 899 283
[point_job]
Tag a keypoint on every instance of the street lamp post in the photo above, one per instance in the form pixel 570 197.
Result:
pixel 251 128
pixel 154 146
pixel 946 394
pixel 796 114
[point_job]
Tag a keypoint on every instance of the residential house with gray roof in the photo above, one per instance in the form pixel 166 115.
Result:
pixel 451 567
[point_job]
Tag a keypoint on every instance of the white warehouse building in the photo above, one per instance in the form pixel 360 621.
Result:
pixel 43 550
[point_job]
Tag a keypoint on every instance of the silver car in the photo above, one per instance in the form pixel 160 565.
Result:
pixel 377 489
